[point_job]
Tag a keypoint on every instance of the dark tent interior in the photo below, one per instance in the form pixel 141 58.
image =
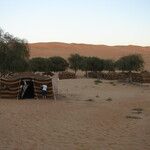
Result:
pixel 27 91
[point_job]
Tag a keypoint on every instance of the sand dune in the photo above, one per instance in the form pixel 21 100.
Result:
pixel 83 118
pixel 103 51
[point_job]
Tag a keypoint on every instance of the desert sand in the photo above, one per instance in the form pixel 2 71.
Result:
pixel 103 51
pixel 86 116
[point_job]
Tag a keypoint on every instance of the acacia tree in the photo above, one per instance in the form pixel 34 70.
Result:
pixel 109 65
pixel 84 64
pixel 14 53
pixel 130 63
pixel 75 61
pixel 95 64
pixel 57 64
pixel 48 64
pixel 39 64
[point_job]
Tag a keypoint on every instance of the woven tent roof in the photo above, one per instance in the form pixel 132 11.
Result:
pixel 26 75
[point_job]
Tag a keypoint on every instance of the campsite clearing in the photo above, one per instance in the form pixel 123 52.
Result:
pixel 75 122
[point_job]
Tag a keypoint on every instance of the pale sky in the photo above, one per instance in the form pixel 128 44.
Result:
pixel 111 22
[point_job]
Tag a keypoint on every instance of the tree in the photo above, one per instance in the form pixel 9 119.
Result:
pixel 130 63
pixel 57 63
pixel 18 65
pixel 75 61
pixel 38 64
pixel 84 64
pixel 109 65
pixel 14 53
pixel 95 64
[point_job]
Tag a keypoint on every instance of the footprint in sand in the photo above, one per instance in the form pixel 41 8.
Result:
pixel 136 111
pixel 109 99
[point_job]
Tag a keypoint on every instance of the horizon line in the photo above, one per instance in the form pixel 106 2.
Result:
pixel 82 43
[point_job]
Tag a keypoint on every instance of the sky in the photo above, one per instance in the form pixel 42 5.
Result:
pixel 109 22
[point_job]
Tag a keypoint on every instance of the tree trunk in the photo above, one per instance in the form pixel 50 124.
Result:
pixel 75 71
pixel 130 76
pixel 86 74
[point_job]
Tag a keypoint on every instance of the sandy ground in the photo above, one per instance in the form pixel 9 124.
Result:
pixel 86 116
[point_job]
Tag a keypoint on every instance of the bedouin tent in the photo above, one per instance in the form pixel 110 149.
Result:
pixel 12 87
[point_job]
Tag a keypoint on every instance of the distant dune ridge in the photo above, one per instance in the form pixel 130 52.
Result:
pixel 103 51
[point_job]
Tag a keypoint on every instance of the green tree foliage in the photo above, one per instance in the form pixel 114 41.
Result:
pixel 39 64
pixel 57 64
pixel 14 53
pixel 48 64
pixel 75 61
pixel 95 64
pixel 130 63
pixel 83 63
pixel 109 65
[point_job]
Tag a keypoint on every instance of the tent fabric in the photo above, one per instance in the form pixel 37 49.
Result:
pixel 10 88
pixel 30 75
